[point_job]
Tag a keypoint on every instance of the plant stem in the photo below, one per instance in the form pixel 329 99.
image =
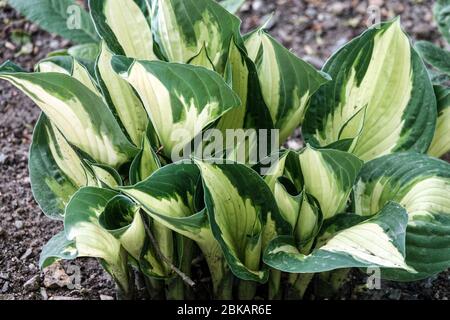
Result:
pixel 174 289
pixel 274 285
pixel 155 288
pixel 128 294
pixel 165 251
pixel 247 290
pixel 292 279
pixel 221 276
pixel 186 265
pixel 302 283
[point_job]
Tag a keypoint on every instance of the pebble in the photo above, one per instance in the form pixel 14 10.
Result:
pixel 337 8
pixel 18 224
pixel 32 284
pixel 257 5
pixel 54 44
pixel 294 144
pixel 5 287
pixel 10 46
pixel 377 3
pixel 55 276
pixel 26 254
pixel 4 275
pixel 3 158
pixel 44 294
pixel 106 297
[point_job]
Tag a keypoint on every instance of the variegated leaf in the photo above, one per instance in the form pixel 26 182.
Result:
pixel 287 82
pixel 168 196
pixel 69 66
pixel 87 52
pixel 422 185
pixel 81 224
pixel 377 242
pixel 202 60
pixel 105 176
pixel 182 27
pixel 123 26
pixel 325 174
pixel 329 176
pixel 122 219
pixel 145 163
pixel 57 248
pixel 181 100
pixel 381 73
pixel 441 141
pixel 81 116
pixel 300 210
pixel 121 97
pixel 239 204
pixel 56 170
pixel 241 73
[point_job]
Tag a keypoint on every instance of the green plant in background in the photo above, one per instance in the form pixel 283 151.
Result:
pixel 361 194
pixel 439 59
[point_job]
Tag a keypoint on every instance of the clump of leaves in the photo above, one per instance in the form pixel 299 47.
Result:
pixel 362 193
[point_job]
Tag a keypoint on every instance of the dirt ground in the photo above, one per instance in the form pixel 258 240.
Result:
pixel 311 28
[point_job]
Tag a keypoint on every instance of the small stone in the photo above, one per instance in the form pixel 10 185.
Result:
pixel 54 44
pixel 106 297
pixel 10 46
pixel 294 144
pixel 337 8
pixel 26 254
pixel 18 224
pixel 353 22
pixel 32 284
pixel 378 3
pixel 44 294
pixel 4 275
pixel 2 232
pixel 3 158
pixel 257 5
pixel 55 276
pixel 5 287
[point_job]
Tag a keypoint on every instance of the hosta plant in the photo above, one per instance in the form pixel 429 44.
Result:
pixel 110 155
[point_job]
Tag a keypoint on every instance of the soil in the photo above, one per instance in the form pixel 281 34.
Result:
pixel 313 29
